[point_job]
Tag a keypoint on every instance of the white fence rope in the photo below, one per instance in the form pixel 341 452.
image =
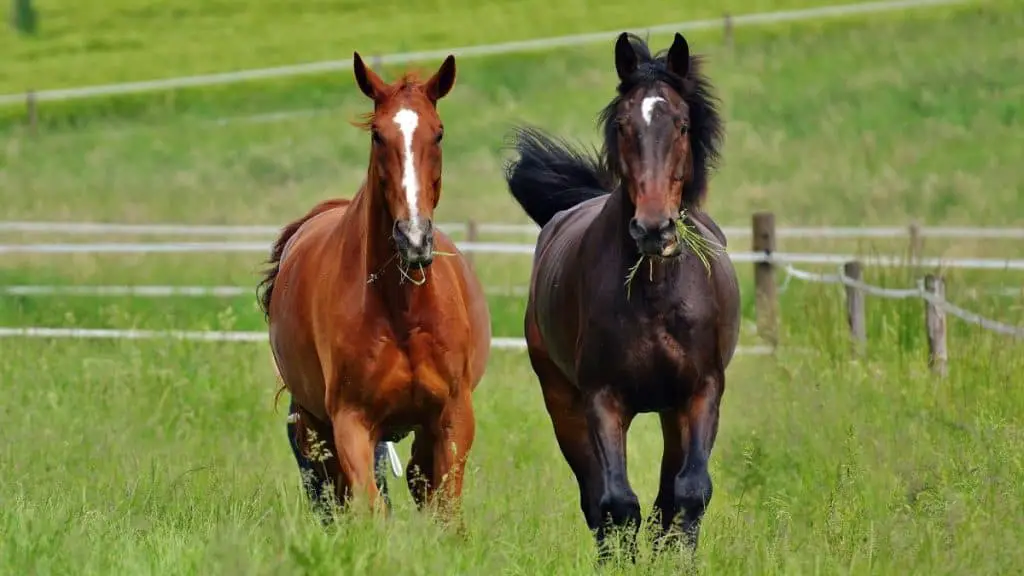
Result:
pixel 216 230
pixel 781 258
pixel 467 51
pixel 151 291
pixel 113 228
pixel 167 291
pixel 499 343
pixel 903 293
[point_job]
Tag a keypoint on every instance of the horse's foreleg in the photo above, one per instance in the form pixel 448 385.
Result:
pixel 452 443
pixel 355 447
pixel 698 424
pixel 569 418
pixel 609 421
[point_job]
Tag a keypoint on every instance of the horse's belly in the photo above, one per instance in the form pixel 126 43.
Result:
pixel 299 368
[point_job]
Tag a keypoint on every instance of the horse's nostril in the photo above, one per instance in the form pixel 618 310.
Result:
pixel 636 230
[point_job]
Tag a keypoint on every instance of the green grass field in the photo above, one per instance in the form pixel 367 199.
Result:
pixel 84 43
pixel 169 457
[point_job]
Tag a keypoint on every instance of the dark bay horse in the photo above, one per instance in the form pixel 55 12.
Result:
pixel 602 354
pixel 373 332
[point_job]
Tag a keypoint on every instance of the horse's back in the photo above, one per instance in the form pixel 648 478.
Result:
pixel 551 307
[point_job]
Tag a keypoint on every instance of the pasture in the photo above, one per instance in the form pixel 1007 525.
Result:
pixel 169 457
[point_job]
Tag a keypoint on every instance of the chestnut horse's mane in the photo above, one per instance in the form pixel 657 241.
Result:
pixel 265 289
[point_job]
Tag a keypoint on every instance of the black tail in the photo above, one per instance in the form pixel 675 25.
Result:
pixel 551 175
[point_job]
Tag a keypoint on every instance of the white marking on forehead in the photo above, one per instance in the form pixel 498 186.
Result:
pixel 407 121
pixel 647 107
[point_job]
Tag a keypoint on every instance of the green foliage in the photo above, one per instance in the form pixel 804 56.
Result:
pixel 24 16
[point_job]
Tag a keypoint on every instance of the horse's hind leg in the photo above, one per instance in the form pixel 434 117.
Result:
pixel 312 444
pixel 686 490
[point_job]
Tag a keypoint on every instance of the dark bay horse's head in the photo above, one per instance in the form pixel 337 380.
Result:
pixel 405 158
pixel 662 134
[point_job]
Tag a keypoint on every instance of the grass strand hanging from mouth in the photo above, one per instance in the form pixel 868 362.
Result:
pixel 701 247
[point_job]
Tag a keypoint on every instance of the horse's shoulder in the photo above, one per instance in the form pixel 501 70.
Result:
pixel 572 221
pixel 704 220
pixel 318 225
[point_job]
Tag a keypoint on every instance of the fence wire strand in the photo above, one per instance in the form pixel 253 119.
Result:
pixel 903 293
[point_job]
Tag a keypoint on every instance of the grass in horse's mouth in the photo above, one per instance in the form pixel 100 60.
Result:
pixel 403 269
pixel 701 247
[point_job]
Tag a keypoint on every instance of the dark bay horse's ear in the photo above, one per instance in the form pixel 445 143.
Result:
pixel 679 56
pixel 625 57
pixel 441 82
pixel 368 81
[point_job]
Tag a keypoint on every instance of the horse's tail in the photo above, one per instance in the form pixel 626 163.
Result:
pixel 551 175
pixel 265 289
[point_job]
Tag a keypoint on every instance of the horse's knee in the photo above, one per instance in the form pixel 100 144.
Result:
pixel 620 507
pixel 693 493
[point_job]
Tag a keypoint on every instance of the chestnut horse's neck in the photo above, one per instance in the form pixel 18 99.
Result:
pixel 371 227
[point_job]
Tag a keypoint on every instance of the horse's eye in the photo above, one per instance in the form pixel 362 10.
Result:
pixel 376 137
pixel 440 135
pixel 684 128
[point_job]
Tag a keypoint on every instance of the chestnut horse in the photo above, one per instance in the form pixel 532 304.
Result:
pixel 373 337
pixel 602 354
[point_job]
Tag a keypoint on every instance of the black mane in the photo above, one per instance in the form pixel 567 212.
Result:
pixel 706 130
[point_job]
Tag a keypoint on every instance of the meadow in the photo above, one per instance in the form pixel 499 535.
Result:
pixel 170 457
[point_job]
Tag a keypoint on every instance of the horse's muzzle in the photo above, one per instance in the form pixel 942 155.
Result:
pixel 657 239
pixel 415 241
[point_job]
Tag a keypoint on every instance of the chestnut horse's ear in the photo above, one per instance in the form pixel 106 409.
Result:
pixel 679 56
pixel 625 57
pixel 368 81
pixel 441 82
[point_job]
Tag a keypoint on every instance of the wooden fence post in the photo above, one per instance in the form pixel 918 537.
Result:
pixel 472 234
pixel 915 242
pixel 765 298
pixel 935 323
pixel 31 111
pixel 855 308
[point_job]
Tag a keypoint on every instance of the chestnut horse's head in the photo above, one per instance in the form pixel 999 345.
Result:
pixel 662 135
pixel 405 158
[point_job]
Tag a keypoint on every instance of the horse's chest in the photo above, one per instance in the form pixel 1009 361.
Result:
pixel 653 360
pixel 413 367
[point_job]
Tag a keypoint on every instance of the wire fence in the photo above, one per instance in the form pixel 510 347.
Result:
pixel 919 291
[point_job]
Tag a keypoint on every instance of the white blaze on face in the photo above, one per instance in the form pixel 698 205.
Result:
pixel 647 107
pixel 407 121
